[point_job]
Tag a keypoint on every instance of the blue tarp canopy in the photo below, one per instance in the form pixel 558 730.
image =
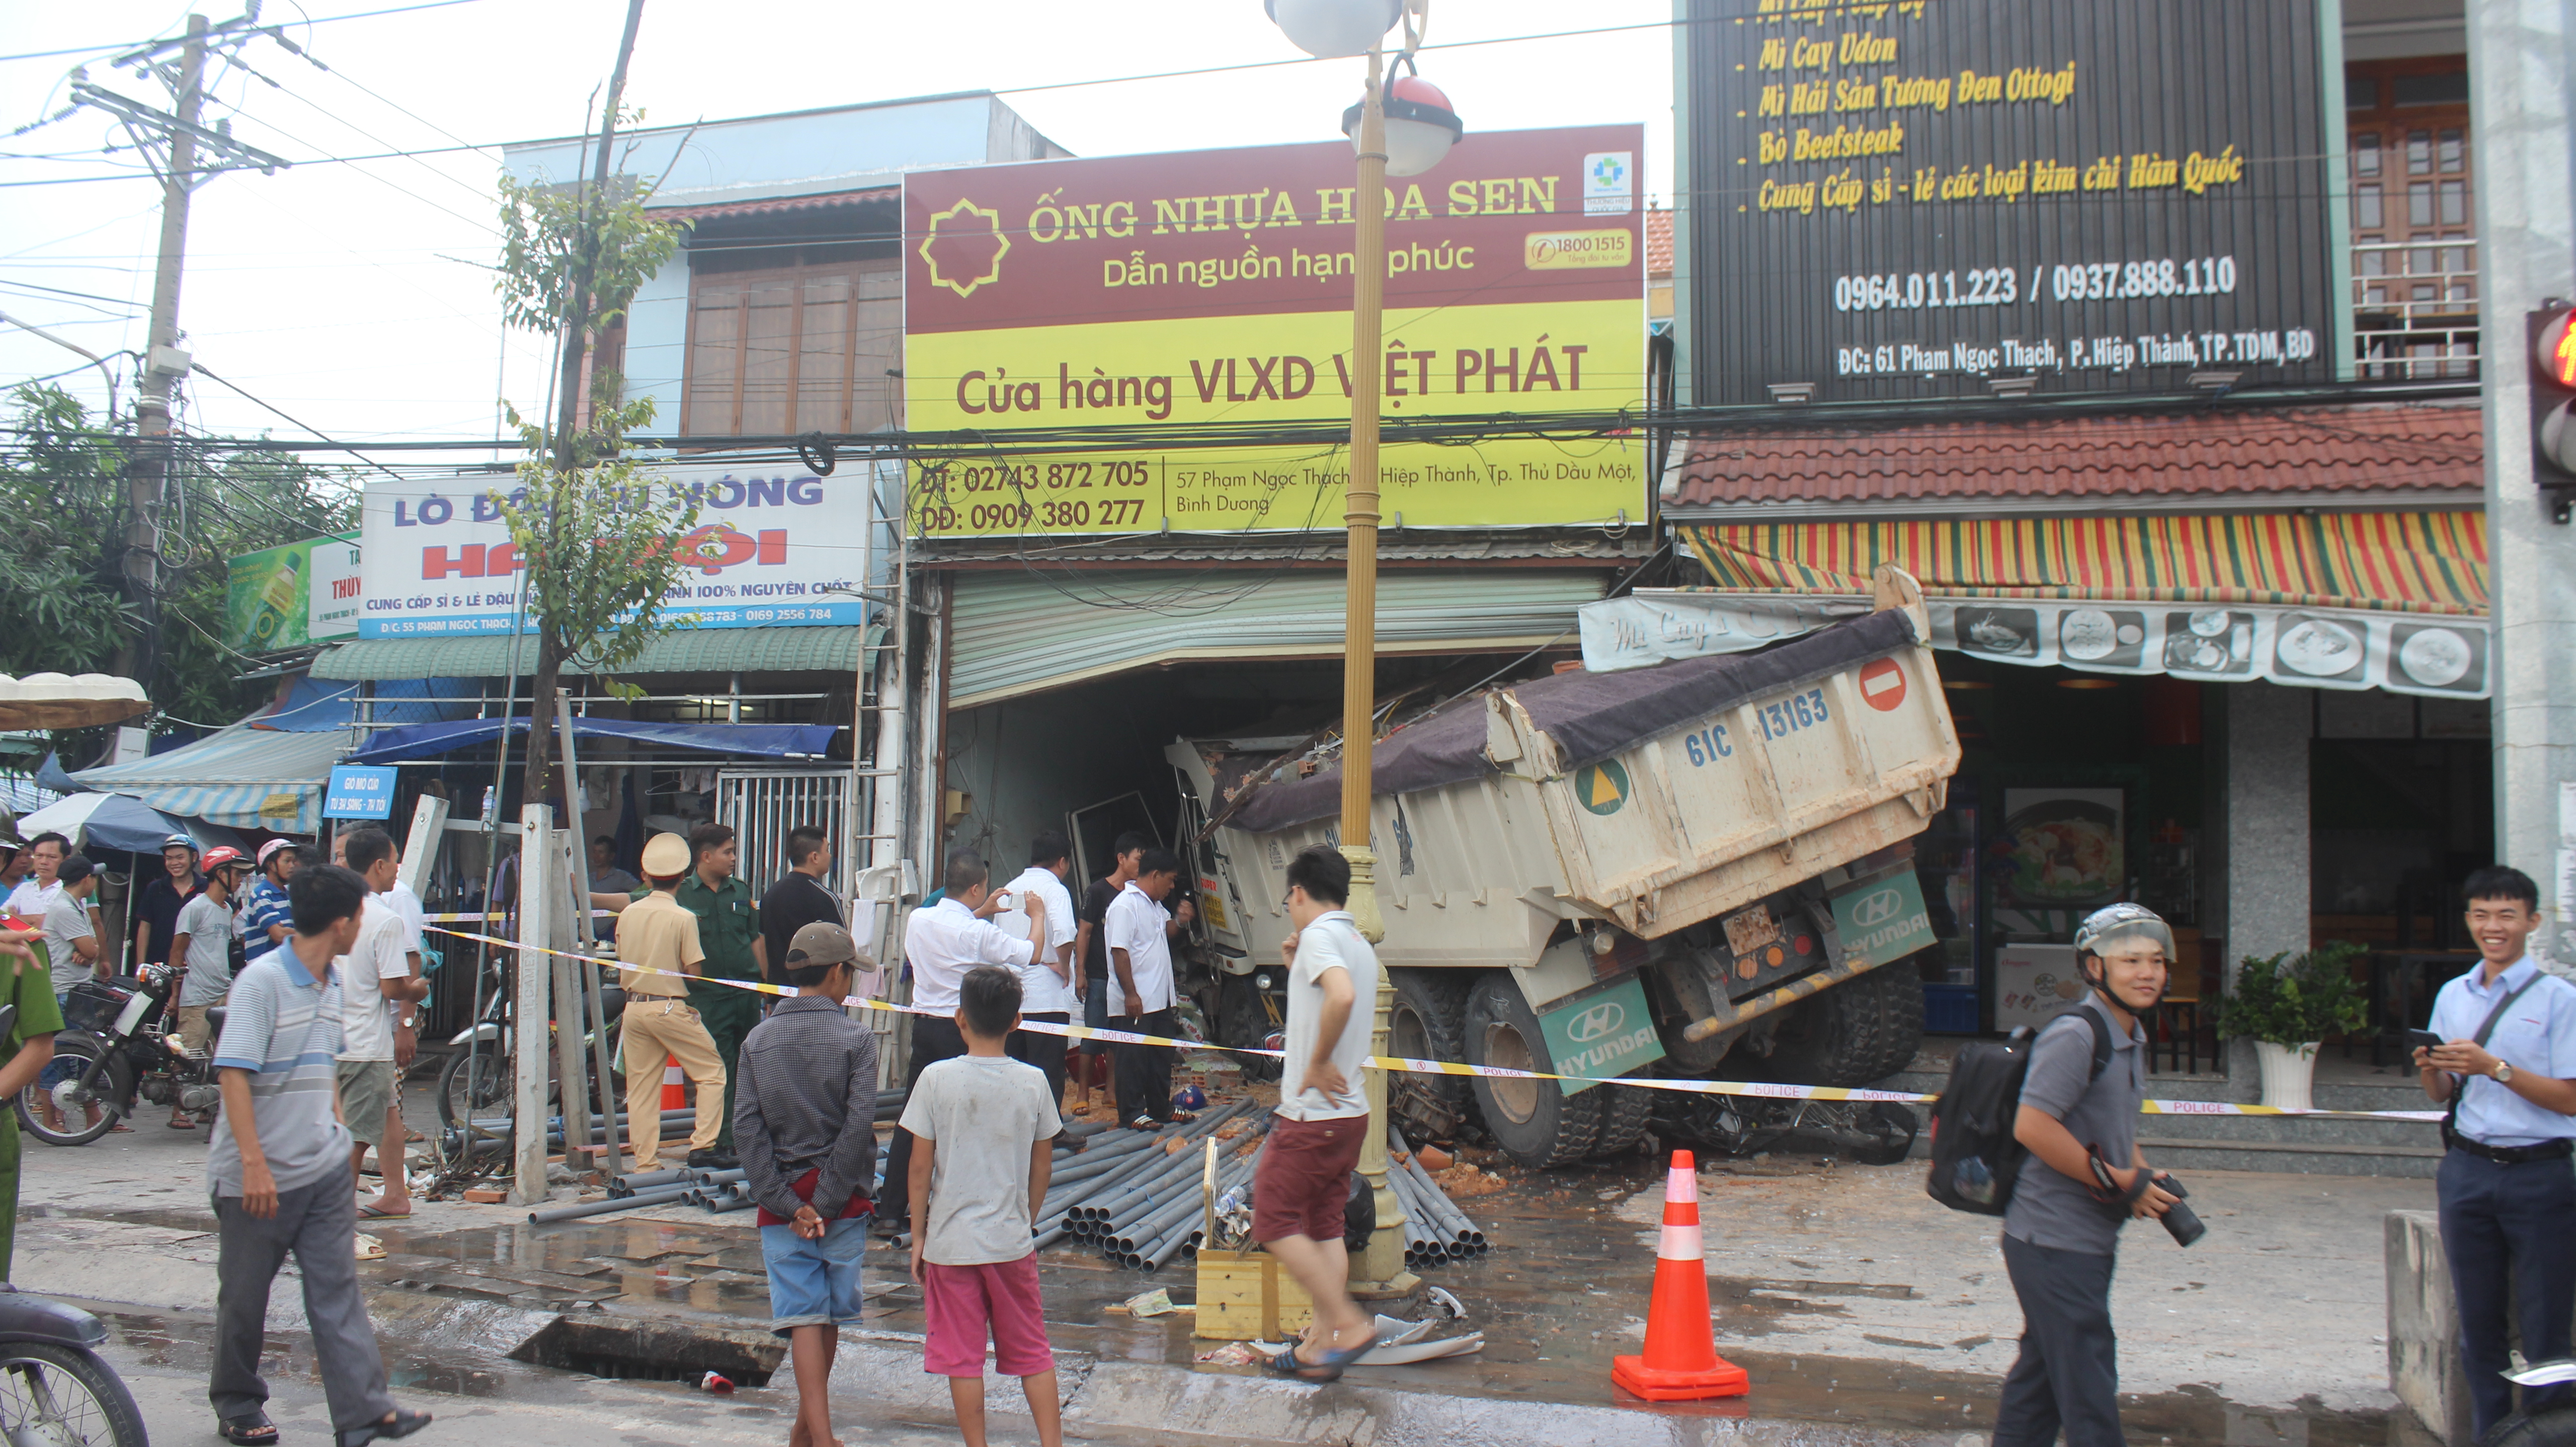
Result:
pixel 771 741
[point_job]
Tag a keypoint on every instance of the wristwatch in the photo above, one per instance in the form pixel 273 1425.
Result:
pixel 2503 1073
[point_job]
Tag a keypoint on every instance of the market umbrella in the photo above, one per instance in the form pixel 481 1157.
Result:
pixel 60 701
pixel 115 821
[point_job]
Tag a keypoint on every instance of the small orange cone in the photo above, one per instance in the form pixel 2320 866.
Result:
pixel 674 1096
pixel 1680 1362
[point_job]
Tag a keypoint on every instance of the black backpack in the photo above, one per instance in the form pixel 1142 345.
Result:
pixel 1975 1157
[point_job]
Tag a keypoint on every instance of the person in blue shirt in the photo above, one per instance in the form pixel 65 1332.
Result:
pixel 265 919
pixel 2507 1070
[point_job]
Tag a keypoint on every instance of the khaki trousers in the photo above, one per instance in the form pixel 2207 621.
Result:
pixel 654 1027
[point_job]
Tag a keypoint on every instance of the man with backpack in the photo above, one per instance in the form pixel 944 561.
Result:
pixel 2506 1067
pixel 2084 1179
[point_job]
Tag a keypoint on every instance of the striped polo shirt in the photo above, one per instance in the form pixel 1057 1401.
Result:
pixel 284 1025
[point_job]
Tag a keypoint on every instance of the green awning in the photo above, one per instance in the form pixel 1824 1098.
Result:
pixel 833 648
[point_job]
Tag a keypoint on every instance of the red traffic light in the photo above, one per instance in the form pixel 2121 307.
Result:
pixel 2554 349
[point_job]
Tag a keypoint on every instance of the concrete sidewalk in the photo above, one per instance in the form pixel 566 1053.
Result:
pixel 1864 1311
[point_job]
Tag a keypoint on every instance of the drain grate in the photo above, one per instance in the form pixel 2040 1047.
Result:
pixel 650 1351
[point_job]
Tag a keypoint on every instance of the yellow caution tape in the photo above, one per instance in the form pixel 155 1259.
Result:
pixel 1759 1089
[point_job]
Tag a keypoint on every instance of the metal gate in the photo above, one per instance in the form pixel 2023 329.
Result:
pixel 762 805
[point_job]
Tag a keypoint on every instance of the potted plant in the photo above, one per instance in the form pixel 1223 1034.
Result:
pixel 2287 1005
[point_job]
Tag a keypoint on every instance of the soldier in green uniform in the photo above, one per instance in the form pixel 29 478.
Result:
pixel 30 1047
pixel 729 931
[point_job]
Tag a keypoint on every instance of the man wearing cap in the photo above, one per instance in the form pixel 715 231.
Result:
pixel 156 905
pixel 265 920
pixel 201 944
pixel 655 933
pixel 805 1117
pixel 2086 1177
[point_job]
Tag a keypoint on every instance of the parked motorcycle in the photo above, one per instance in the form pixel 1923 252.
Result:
pixel 474 1085
pixel 114 1048
pixel 54 1386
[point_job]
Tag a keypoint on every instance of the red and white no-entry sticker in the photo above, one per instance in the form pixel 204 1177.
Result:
pixel 1882 685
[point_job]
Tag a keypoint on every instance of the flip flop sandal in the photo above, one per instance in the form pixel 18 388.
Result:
pixel 1286 1364
pixel 254 1430
pixel 403 1424
pixel 379 1213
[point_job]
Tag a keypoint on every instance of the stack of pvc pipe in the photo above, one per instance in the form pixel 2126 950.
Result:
pixel 1137 1197
pixel 1436 1231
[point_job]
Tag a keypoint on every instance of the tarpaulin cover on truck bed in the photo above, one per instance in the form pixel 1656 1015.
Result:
pixel 1590 716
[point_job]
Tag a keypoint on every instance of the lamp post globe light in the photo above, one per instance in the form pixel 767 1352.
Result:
pixel 1402 129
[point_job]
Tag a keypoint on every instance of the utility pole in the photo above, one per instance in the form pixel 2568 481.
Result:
pixel 147 475
pixel 2518 60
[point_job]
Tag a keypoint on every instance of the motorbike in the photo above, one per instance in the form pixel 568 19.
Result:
pixel 54 1386
pixel 1870 1133
pixel 115 1048
pixel 474 1084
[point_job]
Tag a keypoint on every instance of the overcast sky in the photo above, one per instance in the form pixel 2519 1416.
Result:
pixel 353 297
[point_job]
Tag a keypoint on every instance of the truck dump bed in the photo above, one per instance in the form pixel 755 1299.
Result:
pixel 1657 797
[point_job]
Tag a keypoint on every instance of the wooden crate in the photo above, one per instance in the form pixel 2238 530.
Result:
pixel 1248 1296
pixel 1244 1295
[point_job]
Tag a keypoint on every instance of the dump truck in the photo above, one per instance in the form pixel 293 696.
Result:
pixel 1701 869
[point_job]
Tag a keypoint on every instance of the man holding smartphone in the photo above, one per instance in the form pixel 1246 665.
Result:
pixel 2507 1070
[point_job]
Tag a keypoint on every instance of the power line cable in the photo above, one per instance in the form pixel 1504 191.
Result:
pixel 323 20
pixel 307 426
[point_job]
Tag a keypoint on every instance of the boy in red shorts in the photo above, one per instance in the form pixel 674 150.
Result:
pixel 983 1127
pixel 1303 1188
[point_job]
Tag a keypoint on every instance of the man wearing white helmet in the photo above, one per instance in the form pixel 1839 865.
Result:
pixel 265 920
pixel 157 903
pixel 2085 1179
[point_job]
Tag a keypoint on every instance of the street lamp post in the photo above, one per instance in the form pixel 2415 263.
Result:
pixel 1338 28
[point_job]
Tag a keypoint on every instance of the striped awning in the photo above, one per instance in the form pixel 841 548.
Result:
pixel 244 777
pixel 2408 562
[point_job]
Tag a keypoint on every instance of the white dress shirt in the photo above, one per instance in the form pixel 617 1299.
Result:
pixel 1135 924
pixel 1042 990
pixel 946 940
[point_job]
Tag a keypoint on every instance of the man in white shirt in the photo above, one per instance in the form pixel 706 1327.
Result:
pixel 1141 989
pixel 377 989
pixel 44 854
pixel 941 943
pixel 1046 981
pixel 1302 1195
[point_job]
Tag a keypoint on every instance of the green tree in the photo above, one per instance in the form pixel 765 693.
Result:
pixel 599 557
pixel 63 605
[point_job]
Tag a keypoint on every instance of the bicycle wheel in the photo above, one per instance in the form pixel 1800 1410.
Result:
pixel 474 1086
pixel 56 1395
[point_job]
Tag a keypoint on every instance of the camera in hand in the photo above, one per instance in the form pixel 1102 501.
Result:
pixel 2181 1222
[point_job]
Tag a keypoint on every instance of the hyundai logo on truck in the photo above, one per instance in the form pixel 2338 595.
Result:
pixel 1596 1022
pixel 1876 908
pixel 1883 920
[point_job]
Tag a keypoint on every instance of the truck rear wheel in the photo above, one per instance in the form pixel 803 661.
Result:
pixel 1243 1022
pixel 1625 1122
pixel 1428 1021
pixel 1865 1029
pixel 1534 1121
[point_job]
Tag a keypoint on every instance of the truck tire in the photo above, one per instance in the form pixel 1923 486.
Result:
pixel 1625 1122
pixel 1865 1029
pixel 1428 1021
pixel 1242 1022
pixel 1533 1121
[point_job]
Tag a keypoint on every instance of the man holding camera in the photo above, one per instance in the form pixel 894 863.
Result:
pixel 2085 1178
pixel 2506 1066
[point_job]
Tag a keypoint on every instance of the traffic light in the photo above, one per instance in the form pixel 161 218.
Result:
pixel 2553 404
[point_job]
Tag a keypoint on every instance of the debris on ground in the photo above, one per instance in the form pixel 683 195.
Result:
pixel 1464 1181
pixel 1436 1160
pixel 717 1383
pixel 1232 1354
pixel 1157 1302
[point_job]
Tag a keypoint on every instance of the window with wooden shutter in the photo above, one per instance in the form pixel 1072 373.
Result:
pixel 802 347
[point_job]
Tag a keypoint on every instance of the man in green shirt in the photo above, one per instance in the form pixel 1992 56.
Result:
pixel 729 931
pixel 29 986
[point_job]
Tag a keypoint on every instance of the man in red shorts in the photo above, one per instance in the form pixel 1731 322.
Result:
pixel 1304 1184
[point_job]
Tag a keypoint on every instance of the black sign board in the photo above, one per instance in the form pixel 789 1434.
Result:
pixel 1903 200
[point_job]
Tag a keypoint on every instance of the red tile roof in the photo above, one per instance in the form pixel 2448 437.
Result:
pixel 774 204
pixel 2375 448
pixel 1659 243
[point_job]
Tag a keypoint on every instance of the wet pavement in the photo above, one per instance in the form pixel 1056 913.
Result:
pixel 1861 1309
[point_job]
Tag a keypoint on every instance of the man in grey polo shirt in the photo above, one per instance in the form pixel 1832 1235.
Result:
pixel 2083 1182
pixel 280 1176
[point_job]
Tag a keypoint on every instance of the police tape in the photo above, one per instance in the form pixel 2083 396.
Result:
pixel 1756 1089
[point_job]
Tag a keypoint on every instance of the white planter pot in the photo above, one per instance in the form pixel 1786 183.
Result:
pixel 2288 1072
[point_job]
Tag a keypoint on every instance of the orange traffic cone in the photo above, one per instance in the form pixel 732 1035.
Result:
pixel 674 1096
pixel 1681 1361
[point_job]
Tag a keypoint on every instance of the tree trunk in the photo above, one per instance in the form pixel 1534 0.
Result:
pixel 533 785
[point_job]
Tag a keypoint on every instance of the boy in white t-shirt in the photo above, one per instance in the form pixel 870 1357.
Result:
pixel 983 1132
pixel 376 985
